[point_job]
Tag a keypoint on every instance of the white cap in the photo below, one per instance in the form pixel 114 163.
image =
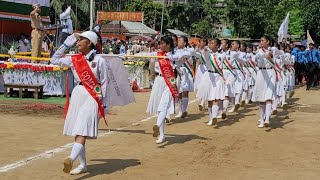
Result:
pixel 92 36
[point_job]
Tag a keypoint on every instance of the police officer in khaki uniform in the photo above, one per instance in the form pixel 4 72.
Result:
pixel 37 33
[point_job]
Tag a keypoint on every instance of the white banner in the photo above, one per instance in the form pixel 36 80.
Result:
pixel 119 92
pixel 283 30
pixel 45 3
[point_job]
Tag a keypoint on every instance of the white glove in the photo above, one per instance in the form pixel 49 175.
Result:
pixel 71 40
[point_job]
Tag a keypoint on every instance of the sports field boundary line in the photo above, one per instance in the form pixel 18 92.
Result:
pixel 52 152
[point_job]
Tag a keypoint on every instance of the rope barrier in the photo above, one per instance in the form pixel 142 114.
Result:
pixel 26 57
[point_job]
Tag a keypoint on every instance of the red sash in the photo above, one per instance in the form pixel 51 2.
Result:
pixel 168 74
pixel 88 80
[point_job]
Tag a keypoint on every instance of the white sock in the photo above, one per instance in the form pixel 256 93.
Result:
pixel 161 117
pixel 233 101
pixel 283 98
pixel 244 95
pixel 250 93
pixel 76 149
pixel 82 158
pixel 161 130
pixel 180 105
pixel 237 99
pixel 168 116
pixel 160 122
pixel 184 104
pixel 210 113
pixel 215 109
pixel 290 88
pixel 268 111
pixel 275 104
pixel 225 105
pixel 262 112
pixel 202 102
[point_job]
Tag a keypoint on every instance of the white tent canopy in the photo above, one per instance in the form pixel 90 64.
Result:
pixel 177 32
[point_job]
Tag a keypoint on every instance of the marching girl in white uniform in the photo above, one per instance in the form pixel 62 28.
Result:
pixel 236 63
pixel 253 71
pixel 290 71
pixel 202 55
pixel 211 87
pixel 185 81
pixel 83 114
pixel 265 90
pixel 229 75
pixel 280 78
pixel 243 56
pixel 161 100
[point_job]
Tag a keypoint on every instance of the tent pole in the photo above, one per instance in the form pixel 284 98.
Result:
pixel 91 14
pixel 1 35
pixel 162 17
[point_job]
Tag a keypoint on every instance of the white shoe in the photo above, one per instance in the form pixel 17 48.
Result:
pixel 160 140
pixel 184 115
pixel 261 125
pixel 79 170
pixel 212 121
pixel 178 115
pixel 285 106
pixel 266 124
pixel 247 101
pixel 231 110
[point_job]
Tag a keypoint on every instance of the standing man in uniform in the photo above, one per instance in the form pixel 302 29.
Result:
pixel 66 21
pixel 312 56
pixel 37 33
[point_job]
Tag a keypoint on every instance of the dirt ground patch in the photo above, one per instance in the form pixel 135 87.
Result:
pixel 234 149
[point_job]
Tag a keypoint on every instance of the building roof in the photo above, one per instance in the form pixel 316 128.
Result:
pixel 177 32
pixel 128 27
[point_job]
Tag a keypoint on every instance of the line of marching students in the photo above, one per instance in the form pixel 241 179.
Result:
pixel 226 76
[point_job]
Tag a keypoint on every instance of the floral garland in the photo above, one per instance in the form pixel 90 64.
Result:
pixel 134 63
pixel 43 68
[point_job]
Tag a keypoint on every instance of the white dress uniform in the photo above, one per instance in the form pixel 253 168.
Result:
pixel 281 79
pixel 253 70
pixel 290 71
pixel 161 99
pixel 265 86
pixel 245 84
pixel 82 117
pixel 230 78
pixel 211 86
pixel 235 59
pixel 185 81
pixel 201 68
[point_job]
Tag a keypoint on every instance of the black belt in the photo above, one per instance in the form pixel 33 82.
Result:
pixel 211 71
pixel 266 68
pixel 157 74
pixel 80 83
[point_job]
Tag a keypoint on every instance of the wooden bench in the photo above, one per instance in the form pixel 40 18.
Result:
pixel 23 90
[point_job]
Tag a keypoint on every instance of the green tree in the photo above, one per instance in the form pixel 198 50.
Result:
pixel 279 13
pixel 152 12
pixel 250 18
pixel 202 28
pixel 311 20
